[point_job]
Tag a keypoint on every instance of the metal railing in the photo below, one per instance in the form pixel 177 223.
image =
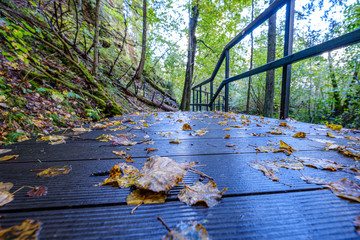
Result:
pixel 285 62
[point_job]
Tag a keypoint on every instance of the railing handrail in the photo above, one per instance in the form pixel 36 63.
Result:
pixel 254 24
pixel 335 43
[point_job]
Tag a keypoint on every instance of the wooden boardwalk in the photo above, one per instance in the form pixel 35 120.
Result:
pixel 253 207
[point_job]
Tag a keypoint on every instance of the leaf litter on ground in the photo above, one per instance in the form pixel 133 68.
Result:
pixel 54 171
pixel 8 157
pixel 320 163
pixel 186 230
pixel 122 175
pixel 29 229
pixel 346 189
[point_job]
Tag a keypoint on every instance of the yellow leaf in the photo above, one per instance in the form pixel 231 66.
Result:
pixel 227 136
pixel 8 157
pixel 236 126
pixel 330 135
pixel 146 125
pixel 300 135
pixel 226 129
pixel 140 196
pixel 222 123
pixel 186 127
pixel 285 146
pixel 29 229
pixel 119 153
pixel 54 171
pixel 174 141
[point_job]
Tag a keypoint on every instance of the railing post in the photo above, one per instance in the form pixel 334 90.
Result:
pixel 211 94
pixel 288 45
pixel 193 98
pixel 227 70
pixel 200 99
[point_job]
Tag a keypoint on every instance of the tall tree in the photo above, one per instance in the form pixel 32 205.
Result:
pixel 270 74
pixel 186 96
pixel 96 40
pixel 336 92
pixel 251 60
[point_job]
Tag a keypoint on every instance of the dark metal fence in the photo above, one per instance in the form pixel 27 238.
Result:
pixel 285 62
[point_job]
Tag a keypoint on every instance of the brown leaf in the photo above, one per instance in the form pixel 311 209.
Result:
pixel 129 159
pixel 28 230
pixel 183 231
pixel 299 135
pixel 227 136
pixel 288 163
pixel 346 189
pixel 199 132
pixel 122 140
pixel 6 186
pixel 37 191
pixel 321 163
pixel 119 153
pixel 265 149
pixel 105 138
pixel 356 223
pixel 208 194
pixel 5 195
pixel 8 157
pixel 54 171
pixel 186 127
pixel 265 168
pixel 150 150
pixel 230 145
pixel 161 173
pixel 140 196
pixel 235 126
pixel 222 123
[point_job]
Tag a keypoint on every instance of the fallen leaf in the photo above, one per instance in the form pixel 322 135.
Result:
pixel 53 138
pixel 230 145
pixel 6 186
pixel 227 136
pixel 2 151
pixel 356 223
pixel 222 123
pixel 346 189
pixel 330 135
pixel 146 125
pixel 201 193
pixel 186 127
pixel 283 124
pixel 37 191
pixel 121 175
pixel 5 195
pixel 315 180
pixel 150 150
pixel 57 142
pixel 256 134
pixel 285 146
pixel 289 163
pixel 119 153
pixel 320 163
pixel 236 126
pixel 161 173
pixel 276 132
pixel 199 132
pixel 105 138
pixel 8 157
pixel 22 138
pixel 140 196
pixel 189 230
pixel 175 141
pixel 54 171
pixel 300 135
pixel 334 127
pixel 29 229
pixel 122 140
pixel 265 149
pixel 226 129
pixel 267 170
pixel 129 159
pixel 81 129
pixel 167 134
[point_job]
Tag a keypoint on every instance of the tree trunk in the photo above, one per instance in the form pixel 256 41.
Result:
pixel 185 102
pixel 270 75
pixel 96 40
pixel 337 100
pixel 140 69
pixel 251 60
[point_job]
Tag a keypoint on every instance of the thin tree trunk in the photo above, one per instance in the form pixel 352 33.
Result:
pixel 186 96
pixel 251 60
pixel 140 69
pixel 337 100
pixel 96 40
pixel 270 75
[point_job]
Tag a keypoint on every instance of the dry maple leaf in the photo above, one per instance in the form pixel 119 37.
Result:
pixel 186 127
pixel 175 141
pixel 81 130
pixel 150 150
pixel 28 230
pixel 276 132
pixel 315 180
pixel 222 123
pixel 330 135
pixel 300 135
pixel 320 163
pixel 140 196
pixel 265 149
pixel 208 194
pixel 54 171
pixel 129 159
pixel 235 126
pixel 2 151
pixel 285 146
pixel 8 157
pixel 53 138
pixel 356 223
pixel 265 168
pixel 161 173
pixel 289 163
pixel 105 138
pixel 189 230
pixel 37 191
pixel 346 189
pixel 227 136
pixel 199 132
pixel 119 153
